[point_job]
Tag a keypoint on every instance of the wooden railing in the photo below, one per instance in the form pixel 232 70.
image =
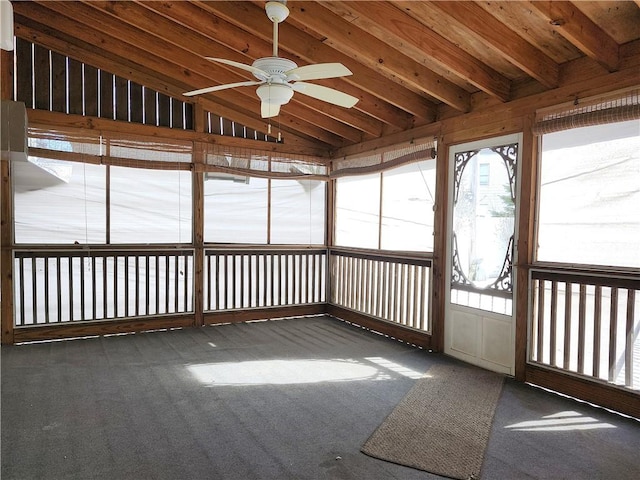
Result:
pixel 586 324
pixel 61 286
pixel 259 278
pixel 387 287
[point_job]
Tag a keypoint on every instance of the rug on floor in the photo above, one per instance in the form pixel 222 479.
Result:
pixel 442 425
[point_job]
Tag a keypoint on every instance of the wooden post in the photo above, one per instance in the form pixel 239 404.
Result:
pixel 440 247
pixel 6 253
pixel 6 213
pixel 198 217
pixel 526 242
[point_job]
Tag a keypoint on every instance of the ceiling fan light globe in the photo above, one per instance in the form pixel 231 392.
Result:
pixel 275 94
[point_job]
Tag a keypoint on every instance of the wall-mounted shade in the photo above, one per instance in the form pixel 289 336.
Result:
pixel 6 25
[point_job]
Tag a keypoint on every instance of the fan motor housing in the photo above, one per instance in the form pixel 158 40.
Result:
pixel 275 67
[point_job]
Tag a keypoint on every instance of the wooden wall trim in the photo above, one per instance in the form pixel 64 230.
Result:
pixel 270 313
pixel 608 396
pixel 102 327
pixel 399 332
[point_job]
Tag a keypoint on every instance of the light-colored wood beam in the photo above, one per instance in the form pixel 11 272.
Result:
pixel 44 118
pixel 377 99
pixel 87 38
pixel 576 27
pixel 249 42
pixel 372 52
pixel 407 35
pixel 128 42
pixel 151 29
pixel 121 67
pixel 496 36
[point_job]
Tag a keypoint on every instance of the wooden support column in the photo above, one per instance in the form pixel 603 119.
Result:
pixel 440 247
pixel 6 213
pixel 526 241
pixel 6 253
pixel 198 217
pixel 6 78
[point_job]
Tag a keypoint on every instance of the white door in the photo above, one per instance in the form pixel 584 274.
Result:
pixel 482 224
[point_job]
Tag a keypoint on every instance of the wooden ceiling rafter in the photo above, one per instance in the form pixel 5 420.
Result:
pixel 228 30
pixel 414 64
pixel 82 50
pixel 576 27
pixel 499 38
pixel 401 31
pixel 171 45
pixel 387 61
pixel 52 14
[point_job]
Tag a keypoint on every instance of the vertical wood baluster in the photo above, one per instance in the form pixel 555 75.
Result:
pixel 94 288
pixel 70 271
pixel 613 333
pixel 567 326
pixel 21 283
pixel 82 288
pixel 597 330
pixel 46 290
pixel 582 309
pixel 540 322
pixel 629 339
pixel 553 324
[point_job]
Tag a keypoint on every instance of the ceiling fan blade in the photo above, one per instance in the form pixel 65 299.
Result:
pixel 269 110
pixel 318 71
pixel 325 94
pixel 221 87
pixel 243 66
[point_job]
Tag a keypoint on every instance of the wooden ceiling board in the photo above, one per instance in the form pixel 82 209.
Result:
pixel 412 62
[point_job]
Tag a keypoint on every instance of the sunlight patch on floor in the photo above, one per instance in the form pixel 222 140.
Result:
pixel 283 372
pixel 560 422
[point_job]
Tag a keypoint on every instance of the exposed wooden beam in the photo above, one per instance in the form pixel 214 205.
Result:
pixel 214 28
pixel 48 119
pixel 165 56
pixel 499 38
pixel 74 48
pixel 376 54
pixel 186 41
pixel 186 37
pixel 576 27
pixel 404 33
pixel 243 18
pixel 120 51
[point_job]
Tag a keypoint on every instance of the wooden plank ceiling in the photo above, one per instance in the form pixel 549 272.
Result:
pixel 413 62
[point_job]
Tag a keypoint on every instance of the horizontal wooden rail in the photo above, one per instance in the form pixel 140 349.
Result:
pixel 586 324
pixel 393 288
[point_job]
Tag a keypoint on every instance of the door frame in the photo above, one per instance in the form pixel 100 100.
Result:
pixel 481 322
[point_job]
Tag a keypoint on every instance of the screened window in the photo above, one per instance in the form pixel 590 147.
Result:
pixel 407 207
pixel 392 210
pixel 297 212
pixel 59 202
pixel 589 196
pixel 235 208
pixel 357 218
pixel 150 206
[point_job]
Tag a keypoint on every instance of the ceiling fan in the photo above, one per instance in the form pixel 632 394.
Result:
pixel 278 78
